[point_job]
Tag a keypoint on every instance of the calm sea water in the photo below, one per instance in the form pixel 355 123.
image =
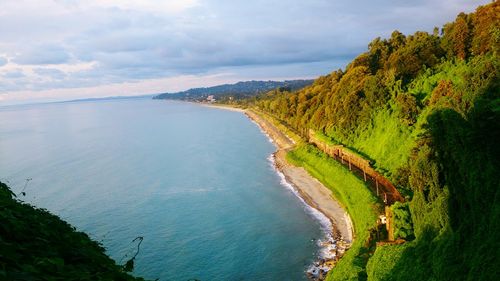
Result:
pixel 195 182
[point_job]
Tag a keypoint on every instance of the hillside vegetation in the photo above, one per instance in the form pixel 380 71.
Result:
pixel 228 92
pixel 425 109
pixel 37 245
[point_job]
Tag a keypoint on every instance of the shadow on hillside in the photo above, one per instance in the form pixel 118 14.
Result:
pixel 466 246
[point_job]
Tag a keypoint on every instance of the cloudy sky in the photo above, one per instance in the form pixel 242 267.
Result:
pixel 69 49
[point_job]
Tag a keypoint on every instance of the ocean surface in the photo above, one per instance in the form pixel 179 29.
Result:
pixel 195 182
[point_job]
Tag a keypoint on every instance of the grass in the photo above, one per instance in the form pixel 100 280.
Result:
pixel 324 138
pixel 352 193
pixel 386 141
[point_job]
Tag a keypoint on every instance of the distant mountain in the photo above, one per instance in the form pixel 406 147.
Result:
pixel 107 98
pixel 238 90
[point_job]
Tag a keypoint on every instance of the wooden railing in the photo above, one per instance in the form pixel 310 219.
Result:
pixel 381 186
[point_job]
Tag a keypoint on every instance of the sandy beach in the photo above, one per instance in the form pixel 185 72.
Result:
pixel 225 107
pixel 312 191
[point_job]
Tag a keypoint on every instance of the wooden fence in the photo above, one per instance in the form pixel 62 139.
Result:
pixel 381 186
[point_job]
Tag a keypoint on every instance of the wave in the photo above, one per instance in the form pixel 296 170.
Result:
pixel 326 243
pixel 269 138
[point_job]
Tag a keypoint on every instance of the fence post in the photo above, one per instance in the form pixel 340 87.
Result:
pixel 364 175
pixel 376 183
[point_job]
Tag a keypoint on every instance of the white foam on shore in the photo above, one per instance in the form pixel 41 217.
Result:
pixel 327 244
pixel 326 224
pixel 327 241
pixel 269 138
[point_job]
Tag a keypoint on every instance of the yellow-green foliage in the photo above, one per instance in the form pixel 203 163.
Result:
pixel 324 138
pixel 353 195
pixel 403 225
pixel 381 264
pixel 385 140
pixel 426 109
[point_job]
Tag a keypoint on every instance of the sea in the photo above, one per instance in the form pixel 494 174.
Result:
pixel 196 183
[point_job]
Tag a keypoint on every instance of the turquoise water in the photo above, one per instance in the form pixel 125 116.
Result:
pixel 195 182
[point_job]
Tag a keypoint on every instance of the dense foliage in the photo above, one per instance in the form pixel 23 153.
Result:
pixel 228 92
pixel 37 245
pixel 425 108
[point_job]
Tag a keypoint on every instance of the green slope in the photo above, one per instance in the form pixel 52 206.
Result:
pixel 425 109
pixel 351 192
pixel 37 245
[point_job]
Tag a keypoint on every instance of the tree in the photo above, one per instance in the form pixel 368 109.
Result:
pixel 486 28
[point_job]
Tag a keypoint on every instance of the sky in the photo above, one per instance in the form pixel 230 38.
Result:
pixel 68 49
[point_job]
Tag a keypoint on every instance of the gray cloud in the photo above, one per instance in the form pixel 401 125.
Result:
pixel 13 74
pixel 50 53
pixel 13 80
pixel 288 38
pixel 52 73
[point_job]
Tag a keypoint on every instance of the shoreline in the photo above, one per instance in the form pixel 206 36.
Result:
pixel 311 190
pixel 315 195
pixel 224 107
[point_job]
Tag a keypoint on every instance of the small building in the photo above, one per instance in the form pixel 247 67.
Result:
pixel 211 98
pixel 383 219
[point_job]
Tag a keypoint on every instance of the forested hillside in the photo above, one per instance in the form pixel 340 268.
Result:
pixel 239 90
pixel 425 109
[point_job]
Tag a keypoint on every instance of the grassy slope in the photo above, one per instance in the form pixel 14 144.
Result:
pixel 352 193
pixel 385 141
pixel 440 246
pixel 37 245
pixel 428 114
pixel 385 258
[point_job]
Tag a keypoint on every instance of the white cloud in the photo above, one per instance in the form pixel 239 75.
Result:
pixel 149 86
pixel 153 6
pixel 68 44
